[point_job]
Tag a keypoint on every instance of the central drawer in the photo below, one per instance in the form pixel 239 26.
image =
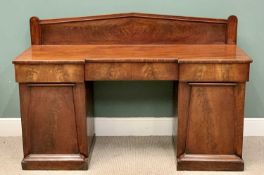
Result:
pixel 131 71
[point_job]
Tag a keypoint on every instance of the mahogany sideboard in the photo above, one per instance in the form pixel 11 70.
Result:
pixel 200 55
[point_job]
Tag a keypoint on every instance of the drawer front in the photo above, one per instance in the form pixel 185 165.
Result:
pixel 214 72
pixel 107 71
pixel 131 71
pixel 155 71
pixel 32 73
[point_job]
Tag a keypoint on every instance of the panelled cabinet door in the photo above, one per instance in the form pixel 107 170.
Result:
pixel 210 124
pixel 54 126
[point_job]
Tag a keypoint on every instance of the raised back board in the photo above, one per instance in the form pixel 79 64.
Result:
pixel 133 28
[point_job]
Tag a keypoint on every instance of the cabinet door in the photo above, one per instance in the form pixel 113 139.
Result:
pixel 54 126
pixel 210 126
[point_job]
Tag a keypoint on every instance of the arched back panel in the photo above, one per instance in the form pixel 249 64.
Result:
pixel 133 28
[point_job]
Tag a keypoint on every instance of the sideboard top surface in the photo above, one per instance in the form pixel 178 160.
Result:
pixel 132 53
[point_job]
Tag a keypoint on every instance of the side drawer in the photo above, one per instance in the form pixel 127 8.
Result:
pixel 33 73
pixel 207 72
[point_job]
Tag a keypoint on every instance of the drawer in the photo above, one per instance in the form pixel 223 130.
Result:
pixel 131 71
pixel 49 73
pixel 155 71
pixel 213 72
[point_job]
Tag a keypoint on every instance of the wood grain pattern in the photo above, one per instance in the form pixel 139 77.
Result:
pixel 71 54
pixel 239 93
pixel 54 122
pixel 90 116
pixel 138 62
pixel 106 71
pixel 199 52
pixel 49 73
pixel 154 71
pixel 35 31
pixel 210 122
pixel 211 118
pixel 232 30
pixel 182 118
pixel 131 71
pixel 214 72
pixel 133 28
pixel 55 162
pixel 200 162
pixel 79 99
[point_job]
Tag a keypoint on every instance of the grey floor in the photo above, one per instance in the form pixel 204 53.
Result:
pixel 130 156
